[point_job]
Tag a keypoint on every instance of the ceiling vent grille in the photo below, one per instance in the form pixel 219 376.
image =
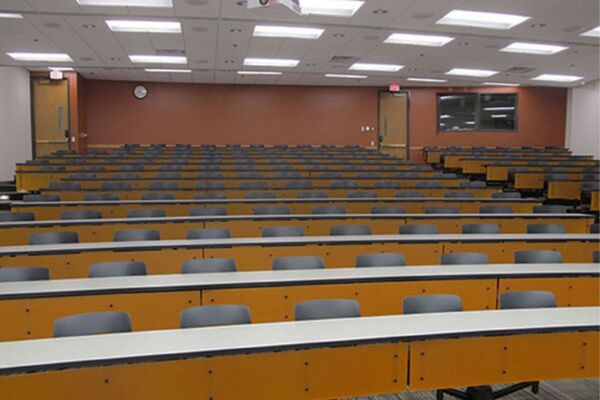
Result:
pixel 344 59
pixel 170 52
pixel 519 70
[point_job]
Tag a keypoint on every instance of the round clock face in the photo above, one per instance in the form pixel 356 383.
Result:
pixel 140 92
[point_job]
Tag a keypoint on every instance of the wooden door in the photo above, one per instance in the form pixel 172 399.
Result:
pixel 50 116
pixel 393 123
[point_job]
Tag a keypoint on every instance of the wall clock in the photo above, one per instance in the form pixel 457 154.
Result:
pixel 140 92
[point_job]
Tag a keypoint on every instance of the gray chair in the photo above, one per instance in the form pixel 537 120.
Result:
pixel 326 309
pixel 78 176
pixel 350 230
pixel 210 196
pixel 506 195
pixel 92 324
pixel 208 211
pixel 441 210
pixel 329 175
pixel 217 315
pixel 312 195
pixel 167 175
pixel 380 260
pixel 538 257
pixel 298 262
pixel 362 195
pixel 158 196
pixel 321 210
pixel 472 184
pixel 388 210
pixel 410 195
pixel 282 231
pixel 527 299
pixel 7 216
pixel 386 185
pixel 65 185
pixel 250 175
pixel 209 233
pixel 101 197
pixel 342 184
pixel 298 184
pixel 260 195
pixel 407 175
pixel 459 195
pixel 431 303
pixel 368 175
pixel 134 235
pixel 428 185
pixel 145 213
pixel 210 186
pixel 117 268
pixel 53 238
pixel 550 209
pixel 464 258
pixel 482 229
pixel 289 175
pixel 271 210
pixel 255 185
pixel 125 175
pixel 80 214
pixel 208 265
pixel 52 168
pixel 418 229
pixel 546 228
pixel 116 186
pixel 496 209
pixel 163 186
pixel 38 198
pixel 16 274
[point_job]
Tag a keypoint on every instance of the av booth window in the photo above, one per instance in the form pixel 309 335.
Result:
pixel 466 112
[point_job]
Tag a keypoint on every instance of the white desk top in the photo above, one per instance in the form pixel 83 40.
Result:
pixel 71 352
pixel 228 280
pixel 290 241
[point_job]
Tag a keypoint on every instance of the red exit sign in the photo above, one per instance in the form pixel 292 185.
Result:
pixel 394 87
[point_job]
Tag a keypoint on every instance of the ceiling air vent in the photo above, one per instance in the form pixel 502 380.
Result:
pixel 170 52
pixel 519 70
pixel 344 59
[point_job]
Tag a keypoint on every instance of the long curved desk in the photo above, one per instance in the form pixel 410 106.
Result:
pixel 155 301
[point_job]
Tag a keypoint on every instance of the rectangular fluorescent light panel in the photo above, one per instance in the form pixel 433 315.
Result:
pixel 345 76
pixel 376 67
pixel 418 40
pixel 592 33
pixel 127 3
pixel 333 8
pixel 479 19
pixel 501 84
pixel 471 72
pixel 259 73
pixel 149 59
pixel 50 57
pixel 557 78
pixel 287 32
pixel 63 69
pixel 11 15
pixel 271 62
pixel 172 71
pixel 144 26
pixel 533 48
pixel 426 80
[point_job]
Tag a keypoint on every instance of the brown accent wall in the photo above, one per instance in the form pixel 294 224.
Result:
pixel 229 114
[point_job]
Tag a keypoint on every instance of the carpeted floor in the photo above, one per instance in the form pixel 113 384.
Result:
pixel 583 389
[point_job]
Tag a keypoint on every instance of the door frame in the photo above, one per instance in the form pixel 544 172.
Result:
pixel 32 80
pixel 407 92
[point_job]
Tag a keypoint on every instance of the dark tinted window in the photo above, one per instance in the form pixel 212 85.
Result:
pixel 456 112
pixel 498 112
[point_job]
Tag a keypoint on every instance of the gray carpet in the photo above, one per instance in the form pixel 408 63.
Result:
pixel 583 389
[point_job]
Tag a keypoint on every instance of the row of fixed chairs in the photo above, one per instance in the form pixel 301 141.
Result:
pixel 236 314
pixel 216 265
pixel 129 235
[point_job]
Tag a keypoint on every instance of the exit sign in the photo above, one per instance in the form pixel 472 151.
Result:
pixel 394 87
pixel 54 74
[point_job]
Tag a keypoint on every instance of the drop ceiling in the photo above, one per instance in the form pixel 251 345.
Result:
pixel 217 36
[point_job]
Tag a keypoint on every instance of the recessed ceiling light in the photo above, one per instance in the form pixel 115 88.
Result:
pixel 127 3
pixel 376 67
pixel 592 33
pixel 557 78
pixel 426 80
pixel 418 40
pixel 345 76
pixel 11 15
pixel 172 71
pixel 287 32
pixel 144 26
pixel 271 62
pixel 51 57
pixel 63 69
pixel 471 72
pixel 501 84
pixel 334 8
pixel 533 48
pixel 151 59
pixel 259 73
pixel 479 19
